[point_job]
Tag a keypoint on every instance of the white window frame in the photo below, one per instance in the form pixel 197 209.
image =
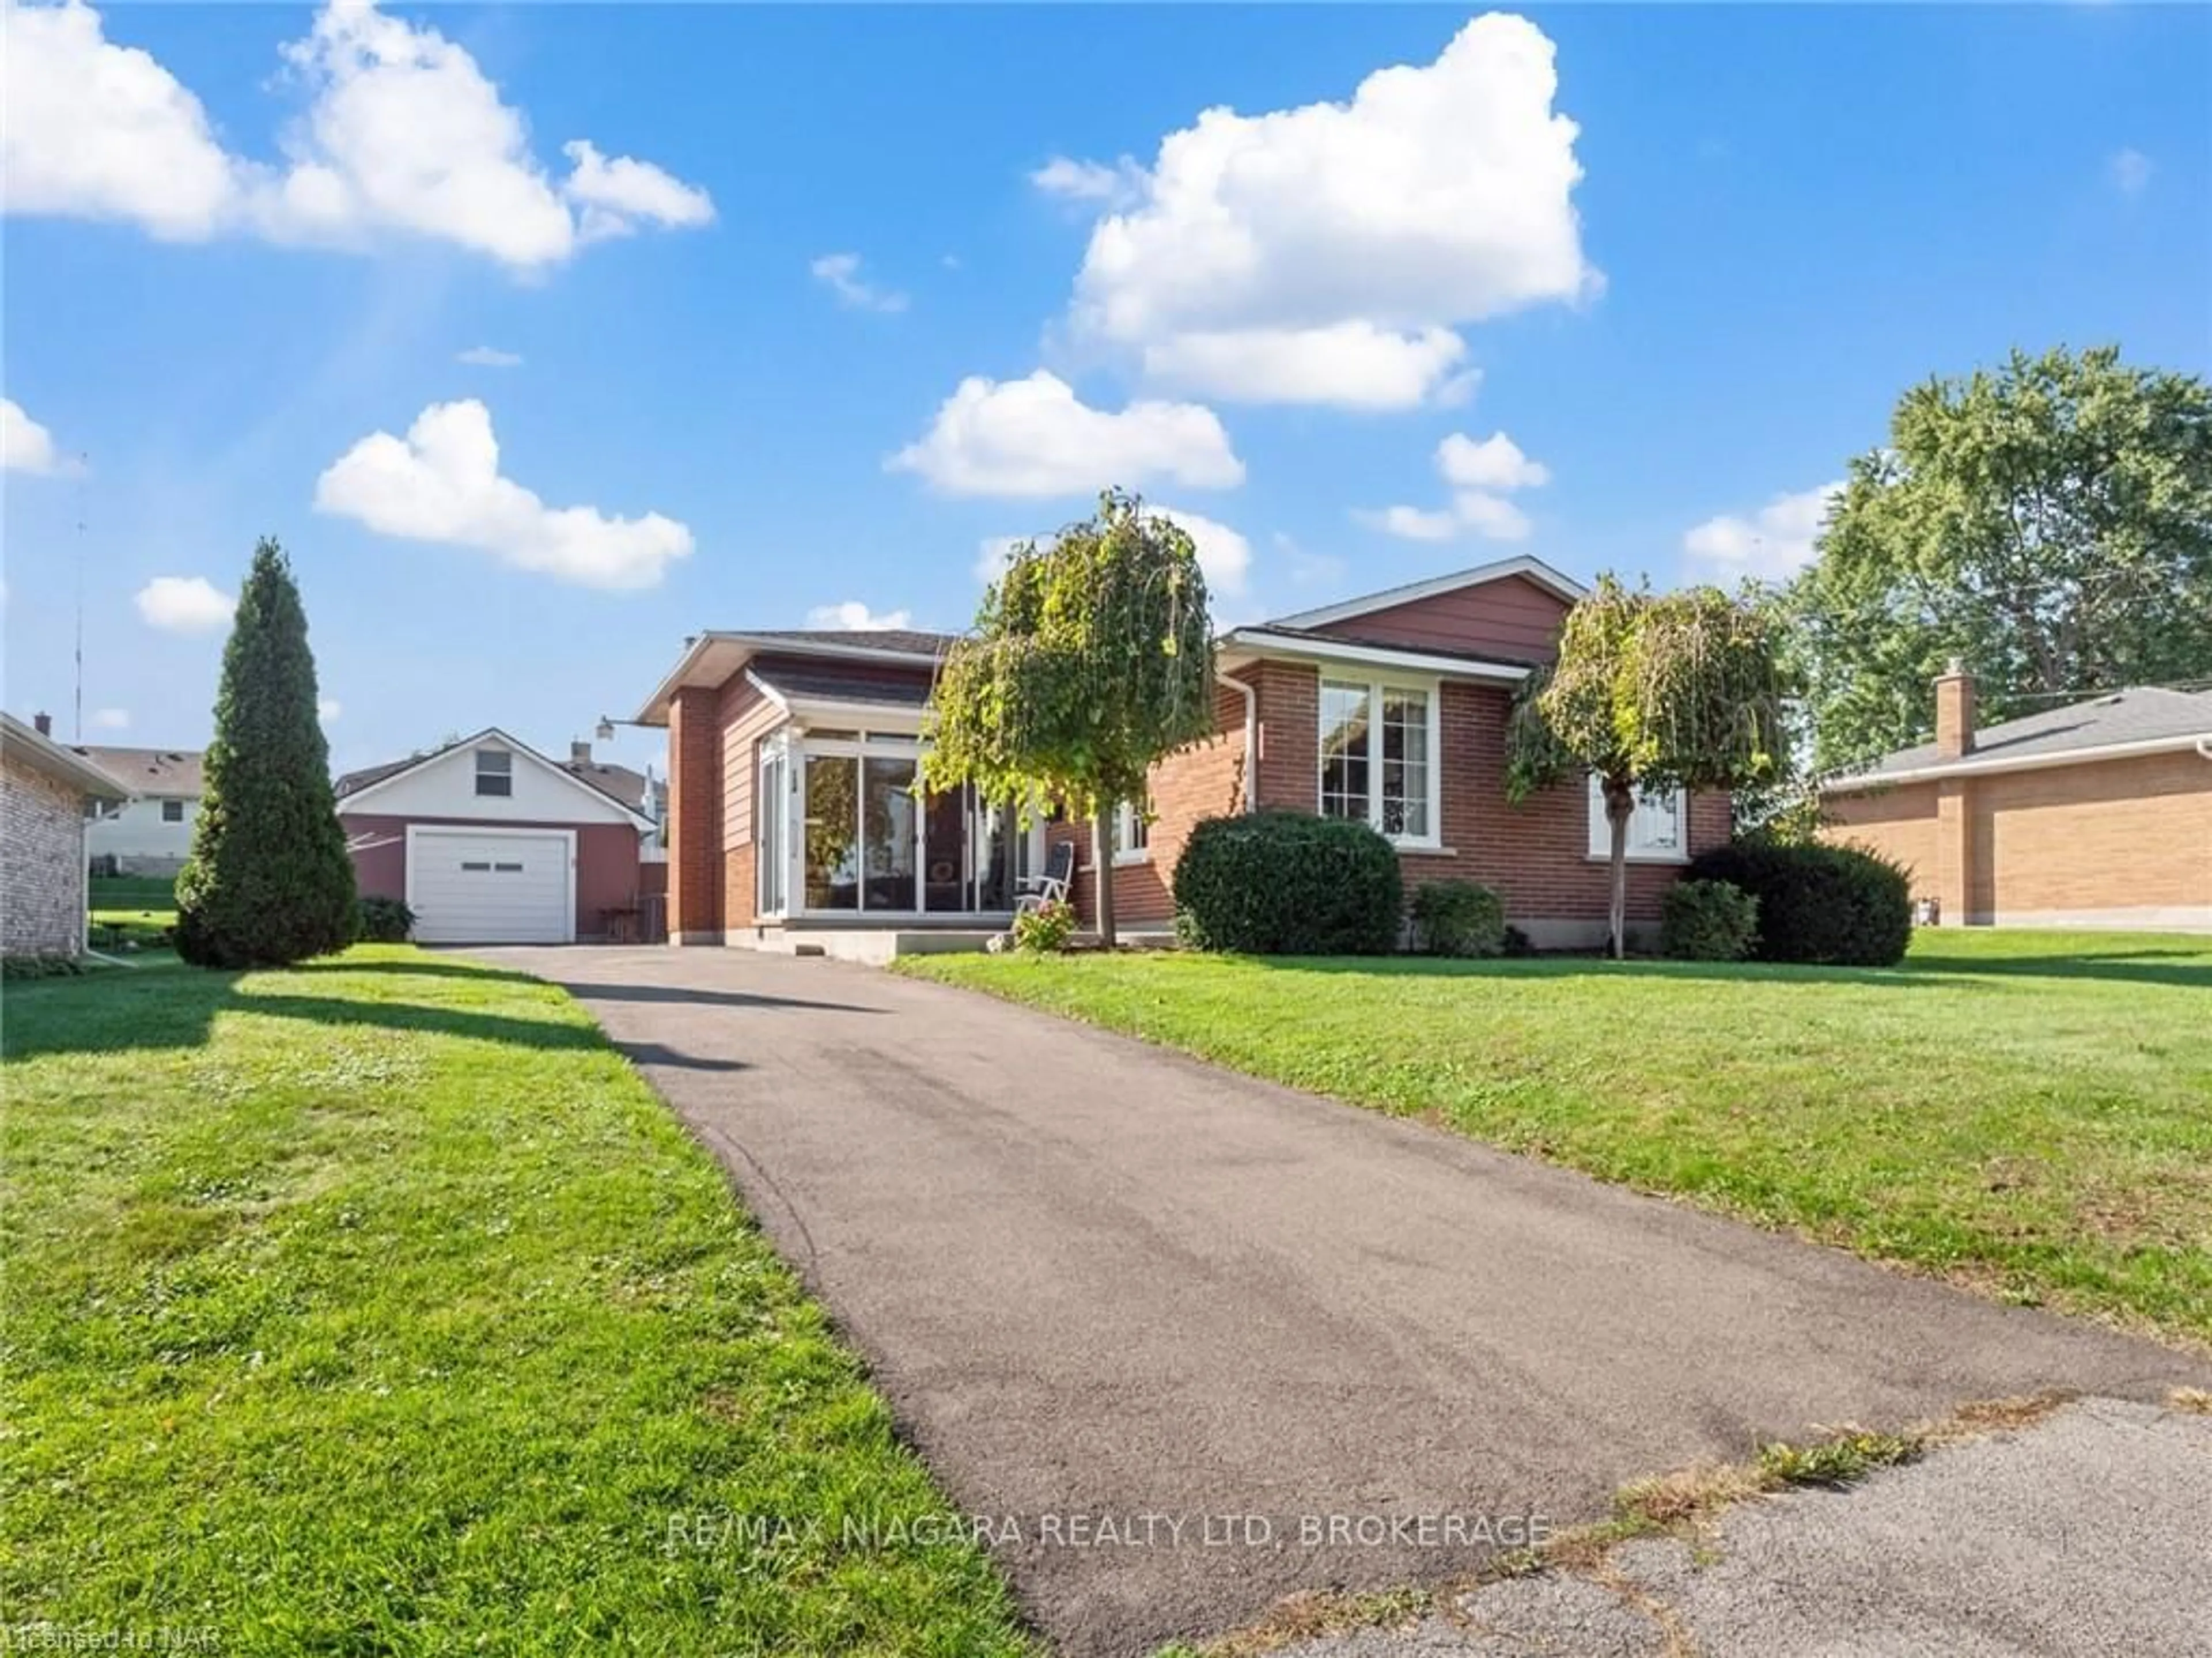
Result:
pixel 1432 690
pixel 505 772
pixel 1640 848
pixel 1129 822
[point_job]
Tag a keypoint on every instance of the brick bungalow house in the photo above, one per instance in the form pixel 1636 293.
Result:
pixel 792 759
pixel 2098 814
pixel 45 793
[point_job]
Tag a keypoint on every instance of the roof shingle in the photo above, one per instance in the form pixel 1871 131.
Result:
pixel 150 771
pixel 2140 713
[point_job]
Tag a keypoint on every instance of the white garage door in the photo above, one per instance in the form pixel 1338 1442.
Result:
pixel 490 886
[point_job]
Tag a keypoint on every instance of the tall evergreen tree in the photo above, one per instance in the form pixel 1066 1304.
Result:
pixel 268 882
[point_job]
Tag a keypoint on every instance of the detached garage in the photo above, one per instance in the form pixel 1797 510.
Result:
pixel 488 841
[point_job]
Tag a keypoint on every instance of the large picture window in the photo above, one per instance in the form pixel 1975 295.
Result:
pixel 1658 829
pixel 1378 757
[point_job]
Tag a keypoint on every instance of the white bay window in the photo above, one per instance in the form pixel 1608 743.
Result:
pixel 1378 757
pixel 1658 829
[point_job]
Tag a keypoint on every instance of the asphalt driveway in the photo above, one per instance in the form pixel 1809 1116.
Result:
pixel 1191 1342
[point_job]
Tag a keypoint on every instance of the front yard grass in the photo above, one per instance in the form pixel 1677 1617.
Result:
pixel 2026 1113
pixel 377 1307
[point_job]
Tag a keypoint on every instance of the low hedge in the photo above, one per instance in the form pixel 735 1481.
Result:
pixel 1707 921
pixel 1839 906
pixel 383 920
pixel 1289 884
pixel 1458 918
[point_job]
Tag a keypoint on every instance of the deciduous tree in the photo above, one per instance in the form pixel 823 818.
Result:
pixel 1091 658
pixel 2049 524
pixel 1652 691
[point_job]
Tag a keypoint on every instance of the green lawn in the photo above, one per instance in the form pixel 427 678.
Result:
pixel 132 913
pixel 377 1307
pixel 2030 1114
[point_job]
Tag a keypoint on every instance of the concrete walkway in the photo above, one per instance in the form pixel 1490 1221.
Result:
pixel 1191 1342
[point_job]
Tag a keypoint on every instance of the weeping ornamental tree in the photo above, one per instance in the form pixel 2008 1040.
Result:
pixel 1091 657
pixel 1652 691
pixel 268 882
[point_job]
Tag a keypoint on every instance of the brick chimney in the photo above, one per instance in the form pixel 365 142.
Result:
pixel 1955 711
pixel 43 724
pixel 580 754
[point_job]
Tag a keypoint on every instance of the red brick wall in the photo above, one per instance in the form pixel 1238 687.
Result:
pixel 1536 855
pixel 607 868
pixel 1204 781
pixel 694 815
pixel 2116 842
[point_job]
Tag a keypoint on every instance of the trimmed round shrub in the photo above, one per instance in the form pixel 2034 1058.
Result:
pixel 1289 884
pixel 1707 921
pixel 383 921
pixel 1459 918
pixel 1839 906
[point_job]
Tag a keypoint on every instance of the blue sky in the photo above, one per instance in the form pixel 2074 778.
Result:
pixel 1683 314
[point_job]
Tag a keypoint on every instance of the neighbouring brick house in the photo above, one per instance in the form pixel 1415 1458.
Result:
pixel 2098 814
pixel 45 791
pixel 792 755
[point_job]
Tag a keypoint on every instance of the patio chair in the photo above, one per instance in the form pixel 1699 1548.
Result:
pixel 1052 886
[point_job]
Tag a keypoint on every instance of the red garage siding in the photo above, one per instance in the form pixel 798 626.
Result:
pixel 606 860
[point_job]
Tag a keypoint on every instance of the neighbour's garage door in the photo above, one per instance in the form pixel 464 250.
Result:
pixel 490 886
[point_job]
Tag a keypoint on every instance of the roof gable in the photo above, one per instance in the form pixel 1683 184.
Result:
pixel 1533 571
pixel 1506 611
pixel 713 659
pixel 443 784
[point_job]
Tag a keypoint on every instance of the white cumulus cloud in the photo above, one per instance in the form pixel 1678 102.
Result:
pixel 1034 437
pixel 1326 253
pixel 614 195
pixel 840 274
pixel 110 719
pixel 853 617
pixel 1496 463
pixel 486 356
pixel 1352 365
pixel 328 708
pixel 441 483
pixel 1480 475
pixel 1774 542
pixel 185 605
pixel 403 134
pixel 1089 182
pixel 26 445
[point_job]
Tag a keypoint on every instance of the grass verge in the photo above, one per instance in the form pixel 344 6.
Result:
pixel 377 1307
pixel 2021 1112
